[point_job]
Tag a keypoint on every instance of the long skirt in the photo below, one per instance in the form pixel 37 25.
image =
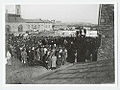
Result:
pixel 9 62
pixel 54 59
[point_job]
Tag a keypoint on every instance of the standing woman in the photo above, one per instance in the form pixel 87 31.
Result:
pixel 54 61
pixel 9 58
pixel 53 58
pixel 38 55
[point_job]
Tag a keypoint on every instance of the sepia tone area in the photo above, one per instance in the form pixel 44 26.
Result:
pixel 98 71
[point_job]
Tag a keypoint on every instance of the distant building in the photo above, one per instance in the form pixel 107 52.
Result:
pixel 15 23
pixel 60 27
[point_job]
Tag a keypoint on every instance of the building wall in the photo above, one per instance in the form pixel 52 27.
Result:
pixel 14 27
pixel 107 20
pixel 107 16
pixel 39 26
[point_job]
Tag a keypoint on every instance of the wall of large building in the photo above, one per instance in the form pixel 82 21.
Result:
pixel 107 16
pixel 15 27
pixel 23 27
pixel 39 26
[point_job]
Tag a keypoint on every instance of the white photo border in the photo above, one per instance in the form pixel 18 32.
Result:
pixel 68 85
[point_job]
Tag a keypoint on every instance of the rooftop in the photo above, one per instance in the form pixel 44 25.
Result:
pixel 17 18
pixel 13 18
pixel 37 21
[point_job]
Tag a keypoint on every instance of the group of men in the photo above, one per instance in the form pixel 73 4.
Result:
pixel 52 52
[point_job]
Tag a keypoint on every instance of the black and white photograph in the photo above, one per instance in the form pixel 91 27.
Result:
pixel 59 44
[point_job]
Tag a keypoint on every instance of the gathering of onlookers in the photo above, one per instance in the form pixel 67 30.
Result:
pixel 52 52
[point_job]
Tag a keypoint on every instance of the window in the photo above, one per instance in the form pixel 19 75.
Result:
pixel 20 28
pixel 7 27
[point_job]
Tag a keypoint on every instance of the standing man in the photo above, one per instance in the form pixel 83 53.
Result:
pixel 64 56
pixel 81 48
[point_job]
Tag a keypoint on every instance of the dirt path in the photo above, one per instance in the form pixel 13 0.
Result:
pixel 88 73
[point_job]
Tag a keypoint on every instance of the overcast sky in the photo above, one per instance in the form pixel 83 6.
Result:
pixel 61 12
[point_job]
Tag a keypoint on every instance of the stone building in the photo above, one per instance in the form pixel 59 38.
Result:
pixel 14 23
pixel 106 16
pixel 106 28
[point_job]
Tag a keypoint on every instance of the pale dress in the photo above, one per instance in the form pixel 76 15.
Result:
pixel 54 59
pixel 9 62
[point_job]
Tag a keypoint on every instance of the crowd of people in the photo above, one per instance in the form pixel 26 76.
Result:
pixel 52 52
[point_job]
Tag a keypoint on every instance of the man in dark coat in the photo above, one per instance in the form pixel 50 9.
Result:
pixel 18 52
pixel 31 57
pixel 71 53
pixel 81 48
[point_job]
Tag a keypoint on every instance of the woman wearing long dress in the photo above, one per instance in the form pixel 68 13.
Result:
pixel 38 56
pixel 54 60
pixel 9 62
